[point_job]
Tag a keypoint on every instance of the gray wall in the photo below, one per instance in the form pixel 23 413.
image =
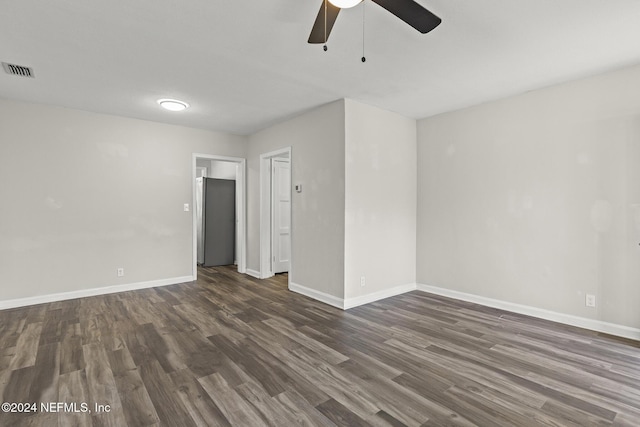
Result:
pixel 83 194
pixel 535 199
pixel 380 194
pixel 317 246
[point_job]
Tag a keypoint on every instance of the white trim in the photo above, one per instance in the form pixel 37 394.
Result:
pixel 377 296
pixel 265 211
pixel 278 152
pixel 242 203
pixel 40 299
pixel 202 168
pixel 265 217
pixel 253 273
pixel 351 302
pixel 568 319
pixel 317 295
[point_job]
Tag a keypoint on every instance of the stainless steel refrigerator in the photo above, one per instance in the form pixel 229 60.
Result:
pixel 216 221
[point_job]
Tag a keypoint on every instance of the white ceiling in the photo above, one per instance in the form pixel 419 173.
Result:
pixel 245 64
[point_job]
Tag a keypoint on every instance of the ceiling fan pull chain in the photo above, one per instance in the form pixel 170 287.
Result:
pixel 325 26
pixel 363 7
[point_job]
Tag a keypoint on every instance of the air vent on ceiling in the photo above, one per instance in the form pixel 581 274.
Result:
pixel 18 70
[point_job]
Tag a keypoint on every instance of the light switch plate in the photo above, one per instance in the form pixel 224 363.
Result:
pixel 186 207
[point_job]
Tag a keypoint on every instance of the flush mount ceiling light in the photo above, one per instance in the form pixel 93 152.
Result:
pixel 173 104
pixel 344 4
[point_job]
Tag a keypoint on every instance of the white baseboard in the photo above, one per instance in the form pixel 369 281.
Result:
pixel 317 295
pixel 351 302
pixel 376 296
pixel 568 319
pixel 40 299
pixel 253 273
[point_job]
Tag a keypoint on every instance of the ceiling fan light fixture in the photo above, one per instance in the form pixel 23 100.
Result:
pixel 173 104
pixel 344 4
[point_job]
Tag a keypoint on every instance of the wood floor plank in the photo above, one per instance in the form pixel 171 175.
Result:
pixel 46 372
pixel 6 355
pixel 302 411
pixel 328 354
pixel 146 343
pixel 340 415
pixel 402 404
pixel 613 405
pixel 71 355
pixel 233 406
pixel 164 396
pixel 136 404
pixel 254 367
pixel 346 389
pixel 232 350
pixel 27 347
pixel 17 390
pixel 390 419
pixel 561 396
pixel 73 388
pixel 102 387
pixel 197 402
pixel 200 318
pixel 292 381
pixel 573 416
pixel 269 409
pixel 197 353
pixel 624 420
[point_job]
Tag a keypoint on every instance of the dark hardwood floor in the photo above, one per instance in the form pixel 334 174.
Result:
pixel 229 350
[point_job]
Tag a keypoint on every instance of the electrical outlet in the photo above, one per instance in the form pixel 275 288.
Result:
pixel 120 272
pixel 362 281
pixel 590 300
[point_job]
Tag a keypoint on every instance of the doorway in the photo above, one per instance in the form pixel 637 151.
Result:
pixel 223 168
pixel 280 215
pixel 275 213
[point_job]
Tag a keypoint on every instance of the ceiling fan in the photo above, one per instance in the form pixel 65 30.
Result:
pixel 407 10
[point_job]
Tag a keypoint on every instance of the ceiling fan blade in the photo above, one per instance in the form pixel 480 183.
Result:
pixel 411 13
pixel 318 33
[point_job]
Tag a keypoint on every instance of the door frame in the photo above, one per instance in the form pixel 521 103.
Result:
pixel 240 203
pixel 265 211
pixel 206 170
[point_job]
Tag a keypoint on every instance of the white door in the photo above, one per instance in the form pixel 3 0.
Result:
pixel 280 214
